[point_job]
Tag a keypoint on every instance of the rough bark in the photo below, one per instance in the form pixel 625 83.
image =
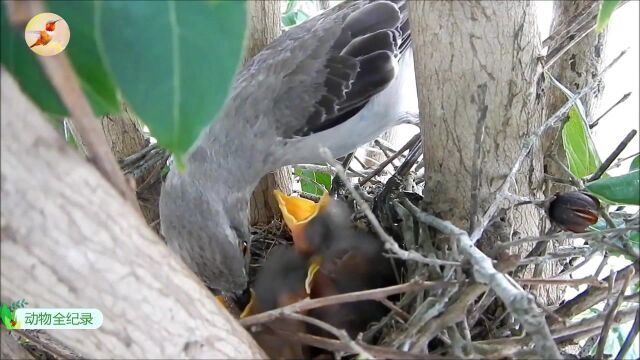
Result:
pixel 124 133
pixel 475 67
pixel 10 348
pixel 575 69
pixel 69 240
pixel 125 137
pixel 264 27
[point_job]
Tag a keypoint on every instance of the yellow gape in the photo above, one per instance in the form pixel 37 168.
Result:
pixel 297 212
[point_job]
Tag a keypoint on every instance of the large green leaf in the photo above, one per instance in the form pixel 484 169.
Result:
pixel 83 53
pixel 606 9
pixel 22 63
pixel 579 148
pixel 173 61
pixel 635 164
pixel 623 189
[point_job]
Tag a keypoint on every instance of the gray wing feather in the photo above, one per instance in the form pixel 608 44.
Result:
pixel 370 41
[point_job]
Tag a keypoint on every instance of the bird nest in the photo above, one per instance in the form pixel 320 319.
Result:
pixel 453 298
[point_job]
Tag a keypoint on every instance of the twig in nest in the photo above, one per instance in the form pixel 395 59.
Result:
pixel 591 296
pixel 134 158
pixel 389 243
pixel 562 282
pixel 339 346
pixel 563 236
pixel 384 164
pixel 635 328
pixel 614 155
pixel 374 294
pixel 572 269
pixel 498 348
pixel 608 321
pixel 339 333
pixel 520 303
pixel 560 254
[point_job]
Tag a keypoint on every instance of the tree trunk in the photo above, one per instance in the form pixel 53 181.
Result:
pixel 125 137
pixel 264 27
pixel 69 240
pixel 575 69
pixel 124 133
pixel 476 66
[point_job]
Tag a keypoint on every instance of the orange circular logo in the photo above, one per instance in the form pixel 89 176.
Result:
pixel 47 34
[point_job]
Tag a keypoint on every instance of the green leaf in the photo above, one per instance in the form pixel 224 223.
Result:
pixel 173 61
pixel 579 148
pixel 606 9
pixel 22 63
pixel 623 189
pixel 634 238
pixel 635 164
pixel 83 52
pixel 313 182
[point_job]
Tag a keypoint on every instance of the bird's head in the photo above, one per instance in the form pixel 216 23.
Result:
pixel 51 25
pixel 207 228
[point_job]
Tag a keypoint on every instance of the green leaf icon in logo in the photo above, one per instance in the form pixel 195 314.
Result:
pixel 8 317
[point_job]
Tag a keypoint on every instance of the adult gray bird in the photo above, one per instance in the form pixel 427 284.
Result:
pixel 337 81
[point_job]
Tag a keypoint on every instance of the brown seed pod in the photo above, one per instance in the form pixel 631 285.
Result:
pixel 573 211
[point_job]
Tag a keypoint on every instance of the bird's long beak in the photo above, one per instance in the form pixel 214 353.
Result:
pixel 297 212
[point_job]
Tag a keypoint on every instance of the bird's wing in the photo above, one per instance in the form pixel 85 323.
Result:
pixel 326 69
pixel 361 63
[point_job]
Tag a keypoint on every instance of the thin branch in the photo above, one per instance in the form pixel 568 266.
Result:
pixel 591 296
pixel 339 346
pixel 608 322
pixel 577 266
pixel 562 282
pixel 499 348
pixel 622 99
pixel 560 254
pixel 614 155
pixel 395 309
pixel 558 180
pixel 339 333
pixel 389 244
pixel 384 164
pixel 633 332
pixel 374 294
pixel 563 236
